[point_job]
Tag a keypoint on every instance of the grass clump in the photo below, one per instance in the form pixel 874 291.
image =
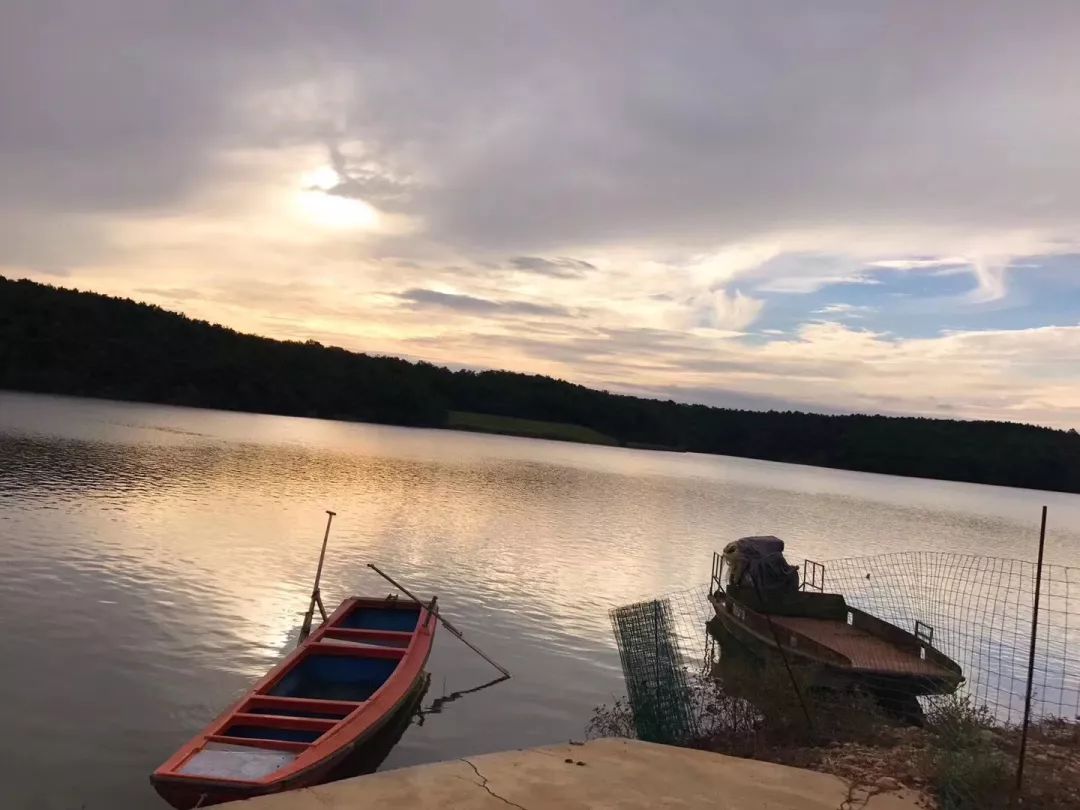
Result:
pixel 967 770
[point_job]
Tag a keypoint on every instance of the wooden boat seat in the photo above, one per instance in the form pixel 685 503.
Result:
pixel 300 707
pixel 379 638
pixel 284 721
pixel 257 742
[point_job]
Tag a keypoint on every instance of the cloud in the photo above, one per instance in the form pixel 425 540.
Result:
pixel 366 179
pixel 557 268
pixel 921 264
pixel 989 271
pixel 669 185
pixel 809 282
pixel 544 137
pixel 720 309
pixel 845 310
pixel 794 272
pixel 990 275
pixel 478 306
pixel 1022 375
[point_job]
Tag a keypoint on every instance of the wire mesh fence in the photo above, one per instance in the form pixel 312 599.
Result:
pixel 911 639
pixel 981 612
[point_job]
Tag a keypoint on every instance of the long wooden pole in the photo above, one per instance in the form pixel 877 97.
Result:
pixel 316 597
pixel 1031 659
pixel 438 616
pixel 784 658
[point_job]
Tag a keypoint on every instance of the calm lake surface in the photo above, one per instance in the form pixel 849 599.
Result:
pixel 156 560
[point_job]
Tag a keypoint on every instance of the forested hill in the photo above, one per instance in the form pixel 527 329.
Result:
pixel 61 341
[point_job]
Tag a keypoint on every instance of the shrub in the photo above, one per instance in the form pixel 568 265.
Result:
pixel 971 778
pixel 616 720
pixel 957 722
pixel 758 707
pixel 967 770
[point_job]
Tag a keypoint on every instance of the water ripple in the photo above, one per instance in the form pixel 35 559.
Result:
pixel 156 560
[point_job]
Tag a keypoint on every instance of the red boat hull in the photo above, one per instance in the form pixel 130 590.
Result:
pixel 312 717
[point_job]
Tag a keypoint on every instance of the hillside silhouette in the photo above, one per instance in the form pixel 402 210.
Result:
pixel 60 341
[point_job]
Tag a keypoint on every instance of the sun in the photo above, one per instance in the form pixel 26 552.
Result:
pixel 323 178
pixel 337 212
pixel 319 205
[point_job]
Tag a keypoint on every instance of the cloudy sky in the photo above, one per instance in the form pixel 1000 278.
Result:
pixel 843 206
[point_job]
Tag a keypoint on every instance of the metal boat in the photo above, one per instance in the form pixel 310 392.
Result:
pixel 762 607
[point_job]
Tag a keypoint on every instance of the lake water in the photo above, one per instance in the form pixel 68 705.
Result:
pixel 156 560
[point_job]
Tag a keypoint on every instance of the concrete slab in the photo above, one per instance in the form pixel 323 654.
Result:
pixel 610 773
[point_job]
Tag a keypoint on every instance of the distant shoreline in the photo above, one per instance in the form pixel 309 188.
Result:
pixel 57 341
pixel 509 435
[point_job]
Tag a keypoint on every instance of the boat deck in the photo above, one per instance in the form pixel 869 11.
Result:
pixel 865 651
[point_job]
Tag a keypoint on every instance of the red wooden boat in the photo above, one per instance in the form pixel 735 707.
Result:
pixel 313 711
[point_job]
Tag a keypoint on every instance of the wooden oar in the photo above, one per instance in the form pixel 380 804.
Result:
pixel 438 616
pixel 316 597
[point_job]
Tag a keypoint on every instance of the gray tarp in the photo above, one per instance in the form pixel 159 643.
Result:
pixel 759 562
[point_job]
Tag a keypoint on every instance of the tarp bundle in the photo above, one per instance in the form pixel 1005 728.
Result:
pixel 758 562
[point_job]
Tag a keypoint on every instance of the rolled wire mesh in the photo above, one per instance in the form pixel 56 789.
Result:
pixel 654 668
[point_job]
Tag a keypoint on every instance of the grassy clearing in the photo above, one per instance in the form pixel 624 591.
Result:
pixel 531 428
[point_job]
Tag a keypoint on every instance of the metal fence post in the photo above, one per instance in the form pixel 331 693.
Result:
pixel 1031 660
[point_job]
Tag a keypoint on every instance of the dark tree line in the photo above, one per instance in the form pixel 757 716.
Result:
pixel 61 341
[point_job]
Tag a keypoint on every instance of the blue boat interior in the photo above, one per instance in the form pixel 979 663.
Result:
pixel 402 620
pixel 335 677
pixel 352 677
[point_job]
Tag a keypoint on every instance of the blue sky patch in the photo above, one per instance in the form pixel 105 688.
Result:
pixel 923 302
